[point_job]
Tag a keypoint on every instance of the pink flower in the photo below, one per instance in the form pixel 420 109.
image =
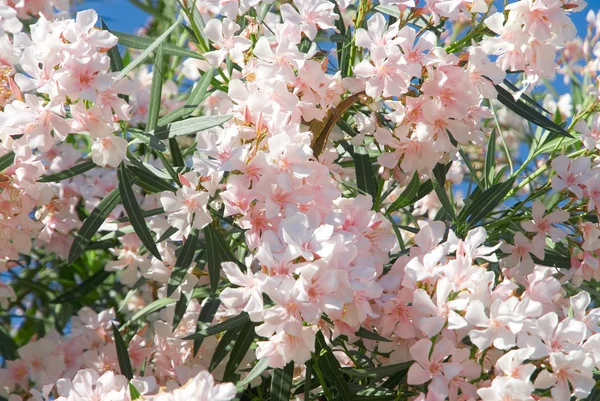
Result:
pixel 87 385
pixel 311 16
pixel 570 174
pixel 430 365
pixel 248 296
pixel 109 151
pixel 543 225
pixel 386 74
pixel 520 257
pixel 573 368
pixel 222 34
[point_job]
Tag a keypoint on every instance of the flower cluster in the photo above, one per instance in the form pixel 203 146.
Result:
pixel 264 198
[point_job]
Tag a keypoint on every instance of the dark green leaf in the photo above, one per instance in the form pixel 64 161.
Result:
pixel 86 286
pixel 378 372
pixel 223 347
pixel 154 100
pixel 149 181
pixel 180 308
pixel 145 213
pixel 148 49
pixel 525 96
pixel 281 383
pixel 485 202
pixel 122 354
pixel 256 371
pixel 92 223
pixel 8 348
pixel 331 367
pixel 490 160
pixel 407 196
pixel 70 172
pixel 438 185
pixel 183 262
pixel 365 176
pixel 207 313
pixel 339 38
pixel 7 160
pixel 189 126
pixel 217 252
pixel 135 394
pixel 134 212
pixel 369 335
pixel 152 307
pixel 239 350
pixel 230 323
pixel 149 140
pixel 197 96
pixel 524 110
pixel 176 155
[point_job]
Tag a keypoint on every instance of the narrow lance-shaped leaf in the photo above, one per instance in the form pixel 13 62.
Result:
pixel 490 160
pixel 189 126
pixel 217 252
pixel 148 50
pixel 180 308
pixel 281 383
pixel 223 347
pixel 142 42
pixel 198 95
pixel 183 262
pixel 485 202
pixel 134 212
pixel 152 307
pixel 438 185
pixel 407 196
pixel 155 89
pixel 331 367
pixel 527 112
pixel 239 350
pixel 7 160
pixel 70 172
pixel 92 223
pixel 220 327
pixel 256 371
pixel 122 354
pixel 365 176
pixel 86 286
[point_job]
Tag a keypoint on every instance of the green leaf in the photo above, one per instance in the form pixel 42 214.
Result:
pixel 152 307
pixel 149 181
pixel 223 347
pixel 482 203
pixel 281 383
pixel 7 160
pixel 407 196
pixel 197 96
pixel 556 143
pixel 145 213
pixel 149 140
pixel 135 394
pixel 92 223
pixel 392 11
pixel 8 348
pixel 331 367
pixel 148 49
pixel 183 262
pixel 116 62
pixel 365 176
pixel 176 155
pixel 230 323
pixel 524 110
pixel 438 185
pixel 369 335
pixel 86 286
pixel 378 372
pixel 207 313
pixel 180 308
pixel 122 354
pixel 490 160
pixel 138 284
pixel 189 126
pixel 217 252
pixel 336 37
pixel 70 172
pixel 239 350
pixel 256 371
pixel 134 212
pixel 155 89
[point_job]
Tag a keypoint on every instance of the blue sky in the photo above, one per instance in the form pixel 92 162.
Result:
pixel 123 16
